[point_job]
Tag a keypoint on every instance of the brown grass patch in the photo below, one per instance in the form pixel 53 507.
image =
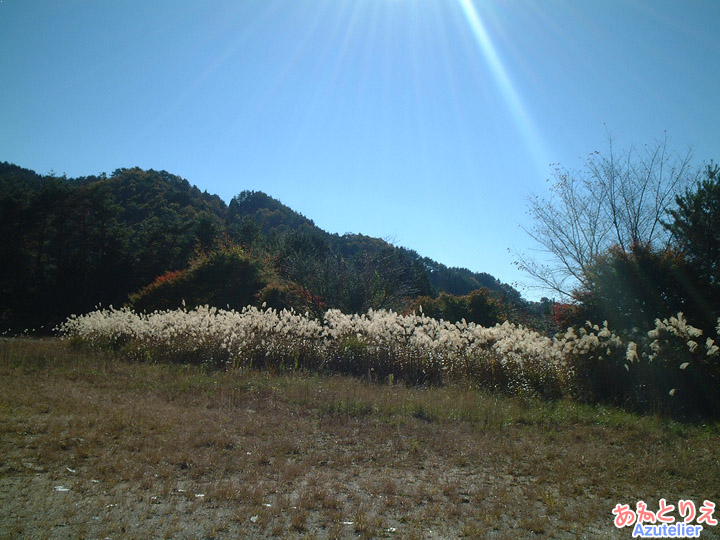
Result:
pixel 178 452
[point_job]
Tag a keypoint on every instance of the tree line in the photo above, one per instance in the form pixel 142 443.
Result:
pixel 151 240
pixel 633 236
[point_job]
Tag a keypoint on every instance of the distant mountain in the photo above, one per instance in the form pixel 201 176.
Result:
pixel 69 244
pixel 272 217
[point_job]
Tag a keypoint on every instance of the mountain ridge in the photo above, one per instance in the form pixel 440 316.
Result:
pixel 73 243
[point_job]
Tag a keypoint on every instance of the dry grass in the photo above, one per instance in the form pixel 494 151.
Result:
pixel 167 451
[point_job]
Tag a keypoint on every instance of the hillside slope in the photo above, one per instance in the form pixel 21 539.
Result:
pixel 70 244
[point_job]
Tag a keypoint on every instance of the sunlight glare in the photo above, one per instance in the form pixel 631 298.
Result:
pixel 512 99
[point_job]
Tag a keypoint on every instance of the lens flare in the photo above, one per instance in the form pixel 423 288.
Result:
pixel 515 105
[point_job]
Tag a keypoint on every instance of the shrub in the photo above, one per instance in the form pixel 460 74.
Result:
pixel 228 278
pixel 668 370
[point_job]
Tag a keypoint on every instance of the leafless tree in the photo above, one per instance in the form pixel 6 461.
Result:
pixel 618 199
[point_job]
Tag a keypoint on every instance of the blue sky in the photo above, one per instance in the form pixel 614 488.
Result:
pixel 427 122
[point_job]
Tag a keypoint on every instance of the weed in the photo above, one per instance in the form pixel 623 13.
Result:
pixel 166 450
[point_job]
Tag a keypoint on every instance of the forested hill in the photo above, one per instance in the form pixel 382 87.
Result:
pixel 150 238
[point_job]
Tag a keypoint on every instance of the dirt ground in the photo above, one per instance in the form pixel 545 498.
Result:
pixel 96 448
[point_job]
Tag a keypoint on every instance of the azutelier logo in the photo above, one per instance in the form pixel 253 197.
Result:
pixel 661 523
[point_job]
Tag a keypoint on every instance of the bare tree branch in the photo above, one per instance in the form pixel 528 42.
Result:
pixel 617 200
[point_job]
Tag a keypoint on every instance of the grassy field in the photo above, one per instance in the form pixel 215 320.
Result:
pixel 92 446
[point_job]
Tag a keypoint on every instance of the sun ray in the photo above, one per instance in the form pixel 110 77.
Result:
pixel 512 99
